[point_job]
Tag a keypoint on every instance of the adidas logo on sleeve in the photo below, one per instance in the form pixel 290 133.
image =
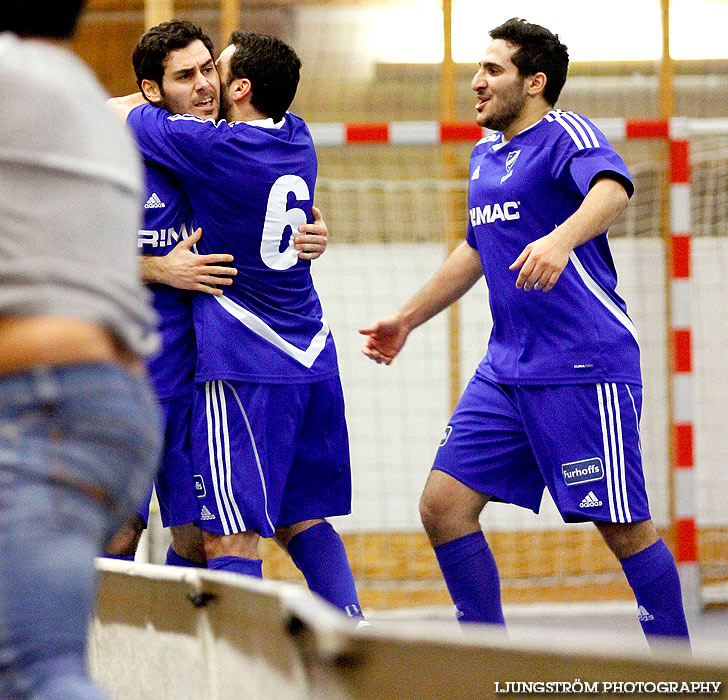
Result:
pixel 590 501
pixel 205 514
pixel 154 202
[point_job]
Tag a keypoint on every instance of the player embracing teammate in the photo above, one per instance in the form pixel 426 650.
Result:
pixel 556 401
pixel 269 443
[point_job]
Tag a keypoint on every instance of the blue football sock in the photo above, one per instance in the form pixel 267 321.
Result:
pixel 120 557
pixel 174 559
pixel 472 578
pixel 238 565
pixel 319 554
pixel 653 576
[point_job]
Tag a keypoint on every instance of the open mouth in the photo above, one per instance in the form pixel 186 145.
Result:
pixel 481 103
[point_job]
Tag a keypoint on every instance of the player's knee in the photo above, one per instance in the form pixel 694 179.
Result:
pixel 239 544
pixel 126 539
pixel 187 542
pixel 284 535
pixel 436 514
pixel 627 539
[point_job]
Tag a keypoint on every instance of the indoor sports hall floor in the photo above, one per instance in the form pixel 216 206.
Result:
pixel 614 619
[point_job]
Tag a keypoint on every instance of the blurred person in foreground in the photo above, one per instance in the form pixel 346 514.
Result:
pixel 556 401
pixel 79 427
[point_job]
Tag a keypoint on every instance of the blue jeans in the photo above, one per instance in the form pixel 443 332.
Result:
pixel 78 446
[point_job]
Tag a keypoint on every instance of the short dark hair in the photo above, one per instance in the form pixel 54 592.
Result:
pixel 539 51
pixel 155 45
pixel 54 19
pixel 271 66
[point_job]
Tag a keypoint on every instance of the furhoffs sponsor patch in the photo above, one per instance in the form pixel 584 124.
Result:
pixel 582 471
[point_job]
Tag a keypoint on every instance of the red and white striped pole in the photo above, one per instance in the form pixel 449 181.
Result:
pixel 428 133
pixel 686 542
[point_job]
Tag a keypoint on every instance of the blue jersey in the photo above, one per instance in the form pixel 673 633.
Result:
pixel 250 185
pixel 166 222
pixel 520 190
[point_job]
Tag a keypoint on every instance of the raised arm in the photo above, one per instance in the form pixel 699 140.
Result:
pixel 542 262
pixel 123 105
pixel 387 336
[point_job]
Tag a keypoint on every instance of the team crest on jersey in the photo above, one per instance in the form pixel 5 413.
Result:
pixel 510 161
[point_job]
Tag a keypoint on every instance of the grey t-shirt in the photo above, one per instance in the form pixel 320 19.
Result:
pixel 70 197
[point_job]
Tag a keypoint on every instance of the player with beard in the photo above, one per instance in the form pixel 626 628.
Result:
pixel 175 70
pixel 556 401
pixel 269 431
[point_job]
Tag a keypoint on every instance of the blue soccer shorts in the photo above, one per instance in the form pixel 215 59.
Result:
pixel 269 455
pixel 175 483
pixel 580 441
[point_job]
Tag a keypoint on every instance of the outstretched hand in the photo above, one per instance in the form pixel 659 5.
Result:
pixel 184 269
pixel 384 339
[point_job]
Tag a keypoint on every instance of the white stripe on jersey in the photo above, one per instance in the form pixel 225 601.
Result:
pixel 588 143
pixel 587 127
pixel 255 452
pixel 306 357
pixel 556 116
pixel 490 137
pixel 601 295
pixel 573 123
pixel 193 118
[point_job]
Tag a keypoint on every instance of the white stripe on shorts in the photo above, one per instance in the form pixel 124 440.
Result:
pixel 219 447
pixel 211 454
pixel 611 420
pixel 255 452
pixel 636 419
pixel 620 445
pixel 226 461
pixel 607 462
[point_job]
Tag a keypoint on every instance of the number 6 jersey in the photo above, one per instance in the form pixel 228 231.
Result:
pixel 250 185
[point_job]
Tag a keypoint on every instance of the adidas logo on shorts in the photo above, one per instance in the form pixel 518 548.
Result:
pixel 643 615
pixel 590 501
pixel 205 514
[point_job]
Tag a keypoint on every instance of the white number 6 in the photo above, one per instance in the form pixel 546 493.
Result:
pixel 278 218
